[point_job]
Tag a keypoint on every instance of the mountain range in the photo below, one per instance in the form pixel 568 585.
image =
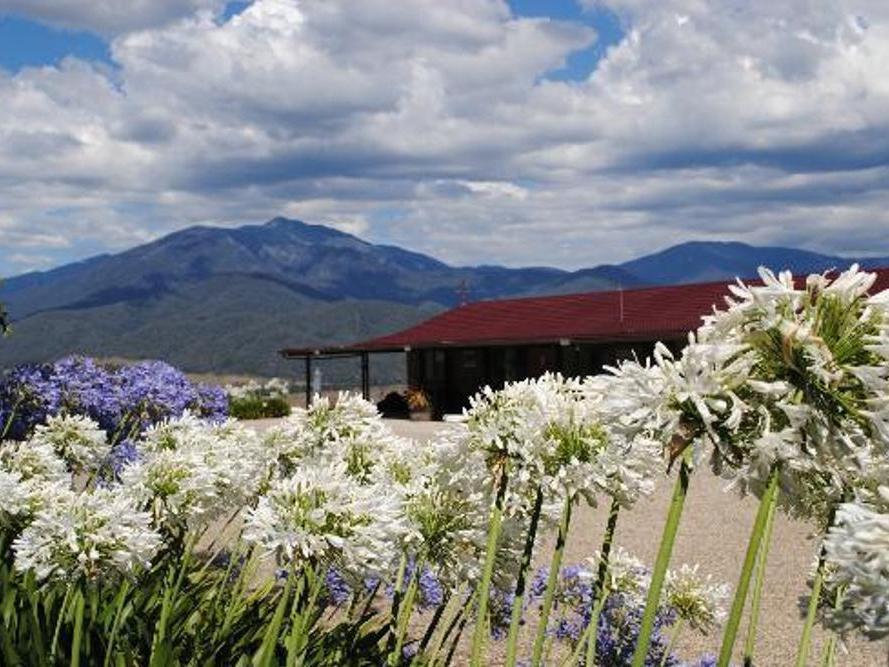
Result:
pixel 223 300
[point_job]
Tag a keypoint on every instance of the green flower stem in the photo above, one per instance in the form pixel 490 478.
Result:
pixel 494 525
pixel 805 641
pixel 588 637
pixel 601 579
pixel 118 617
pixel 265 656
pixel 55 635
pixel 396 603
pixel 454 614
pixel 515 620
pixel 432 627
pixel 674 637
pixel 758 581
pixel 10 419
pixel 753 547
pixel 302 613
pixel 551 584
pixel 828 659
pixel 235 595
pixel 450 656
pixel 79 602
pixel 671 527
pixel 405 614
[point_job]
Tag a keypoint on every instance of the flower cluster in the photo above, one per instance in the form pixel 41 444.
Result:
pixel 696 599
pixel 319 515
pixel 31 477
pixel 551 433
pixel 77 440
pixel 790 379
pixel 857 549
pixel 69 520
pixel 689 597
pixel 446 505
pixel 97 535
pixel 190 472
pixel 336 495
pixel 814 380
pixel 121 400
pixel 349 429
pixel 275 387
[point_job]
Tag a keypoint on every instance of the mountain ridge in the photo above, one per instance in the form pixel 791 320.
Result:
pixel 224 299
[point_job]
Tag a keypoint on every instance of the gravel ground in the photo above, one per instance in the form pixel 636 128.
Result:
pixel 714 531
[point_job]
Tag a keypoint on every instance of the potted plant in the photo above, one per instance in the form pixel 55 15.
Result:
pixel 419 404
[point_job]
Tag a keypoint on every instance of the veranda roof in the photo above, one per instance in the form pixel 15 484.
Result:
pixel 643 314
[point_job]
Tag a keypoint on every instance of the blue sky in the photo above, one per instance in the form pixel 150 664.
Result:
pixel 26 42
pixel 564 132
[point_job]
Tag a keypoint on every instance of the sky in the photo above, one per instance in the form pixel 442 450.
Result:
pixel 533 132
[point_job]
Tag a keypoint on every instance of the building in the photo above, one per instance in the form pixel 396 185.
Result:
pixel 453 354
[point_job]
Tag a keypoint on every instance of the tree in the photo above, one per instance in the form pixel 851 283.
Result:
pixel 4 320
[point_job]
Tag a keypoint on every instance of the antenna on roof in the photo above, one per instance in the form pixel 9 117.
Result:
pixel 463 292
pixel 620 291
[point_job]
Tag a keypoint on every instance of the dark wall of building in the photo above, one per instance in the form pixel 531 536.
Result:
pixel 451 375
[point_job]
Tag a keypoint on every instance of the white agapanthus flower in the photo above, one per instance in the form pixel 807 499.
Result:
pixel 446 509
pixel 175 486
pixel 626 574
pixel 239 460
pixel 93 536
pixel 33 460
pixel 552 433
pixel 179 433
pixel 814 390
pixel 696 598
pixel 320 514
pixel 789 377
pixel 191 472
pixel 21 499
pixel 76 439
pixel 857 550
pixel 31 476
pixel 350 431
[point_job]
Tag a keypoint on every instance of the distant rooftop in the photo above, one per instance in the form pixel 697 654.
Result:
pixel 643 314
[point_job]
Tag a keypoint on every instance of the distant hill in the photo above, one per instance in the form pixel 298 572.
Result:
pixel 224 300
pixel 700 261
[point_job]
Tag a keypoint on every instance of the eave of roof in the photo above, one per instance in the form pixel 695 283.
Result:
pixel 639 314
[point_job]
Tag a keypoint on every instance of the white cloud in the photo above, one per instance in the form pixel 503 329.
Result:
pixel 108 16
pixel 432 124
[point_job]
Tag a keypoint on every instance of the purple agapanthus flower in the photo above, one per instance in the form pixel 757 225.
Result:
pixel 89 389
pixel 212 402
pixel 122 400
pixel 28 395
pixel 430 593
pixel 122 454
pixel 619 623
pixel 337 588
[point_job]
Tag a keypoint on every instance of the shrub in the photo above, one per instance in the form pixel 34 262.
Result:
pixel 257 407
pixel 254 400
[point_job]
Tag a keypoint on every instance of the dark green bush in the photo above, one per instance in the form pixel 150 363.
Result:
pixel 258 407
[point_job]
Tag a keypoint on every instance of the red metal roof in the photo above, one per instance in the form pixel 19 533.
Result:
pixel 651 313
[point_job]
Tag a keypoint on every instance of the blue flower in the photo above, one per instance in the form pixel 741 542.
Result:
pixel 123 454
pixel 122 400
